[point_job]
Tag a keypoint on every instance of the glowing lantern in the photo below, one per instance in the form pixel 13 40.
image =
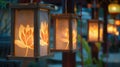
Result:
pixel 30 30
pixel 117 22
pixel 115 31
pixel 95 31
pixel 114 8
pixel 112 29
pixel 65 31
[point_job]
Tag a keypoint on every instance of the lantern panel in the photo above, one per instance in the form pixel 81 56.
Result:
pixel 43 32
pixel 24 33
pixel 101 32
pixel 62 34
pixel 114 8
pixel 117 22
pixel 74 34
pixel 93 31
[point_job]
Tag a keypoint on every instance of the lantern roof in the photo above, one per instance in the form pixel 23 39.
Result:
pixel 29 5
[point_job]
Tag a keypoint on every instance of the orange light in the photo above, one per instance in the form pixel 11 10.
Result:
pixel 114 8
pixel 25 38
pixel 115 31
pixel 101 32
pixel 93 31
pixel 44 34
pixel 117 22
pixel 110 28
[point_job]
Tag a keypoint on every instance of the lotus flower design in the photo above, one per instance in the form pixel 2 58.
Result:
pixel 26 37
pixel 44 33
pixel 66 37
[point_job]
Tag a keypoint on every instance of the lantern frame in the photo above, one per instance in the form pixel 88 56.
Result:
pixel 68 17
pixel 35 8
pixel 99 36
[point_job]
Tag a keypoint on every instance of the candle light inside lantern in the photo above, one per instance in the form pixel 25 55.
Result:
pixel 93 31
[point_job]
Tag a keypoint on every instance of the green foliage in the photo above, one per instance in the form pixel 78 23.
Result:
pixel 3 4
pixel 86 47
pixel 84 44
pixel 98 45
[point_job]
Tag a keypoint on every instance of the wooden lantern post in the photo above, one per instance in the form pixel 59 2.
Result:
pixel 95 34
pixel 69 59
pixel 65 30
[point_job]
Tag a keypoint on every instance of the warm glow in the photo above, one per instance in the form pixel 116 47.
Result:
pixel 114 8
pixel 115 30
pixel 110 28
pixel 93 32
pixel 25 38
pixel 116 33
pixel 74 40
pixel 117 22
pixel 101 34
pixel 44 33
pixel 66 39
pixel 62 39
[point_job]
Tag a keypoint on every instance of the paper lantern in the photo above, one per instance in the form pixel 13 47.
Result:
pixel 30 30
pixel 95 31
pixel 112 29
pixel 114 8
pixel 65 32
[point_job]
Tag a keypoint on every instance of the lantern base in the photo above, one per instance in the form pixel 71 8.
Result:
pixel 10 57
pixel 60 50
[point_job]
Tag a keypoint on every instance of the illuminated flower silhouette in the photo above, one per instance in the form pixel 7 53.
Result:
pixel 44 34
pixel 66 38
pixel 25 38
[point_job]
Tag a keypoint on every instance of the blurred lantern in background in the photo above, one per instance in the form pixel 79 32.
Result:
pixel 65 31
pixel 112 29
pixel 114 8
pixel 95 31
pixel 117 22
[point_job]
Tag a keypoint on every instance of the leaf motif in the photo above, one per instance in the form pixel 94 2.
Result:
pixel 21 33
pixel 20 43
pixel 30 41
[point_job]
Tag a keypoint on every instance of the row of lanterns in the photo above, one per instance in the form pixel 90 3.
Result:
pixel 31 30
